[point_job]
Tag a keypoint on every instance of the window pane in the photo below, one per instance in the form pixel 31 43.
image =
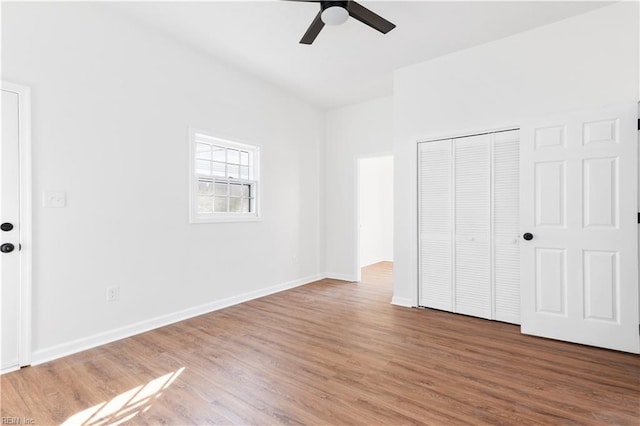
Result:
pixel 246 190
pixel 245 205
pixel 244 172
pixel 233 156
pixel 203 151
pixel 221 188
pixel 235 205
pixel 203 167
pixel 205 204
pixel 220 204
pixel 233 171
pixel 205 187
pixel 244 158
pixel 236 189
pixel 218 169
pixel 218 153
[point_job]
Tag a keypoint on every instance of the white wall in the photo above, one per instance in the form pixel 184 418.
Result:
pixel 352 132
pixel 112 103
pixel 375 209
pixel 583 61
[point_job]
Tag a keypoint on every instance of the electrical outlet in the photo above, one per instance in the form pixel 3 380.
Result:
pixel 113 293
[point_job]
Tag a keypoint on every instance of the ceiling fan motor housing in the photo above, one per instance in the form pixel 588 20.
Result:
pixel 327 4
pixel 334 12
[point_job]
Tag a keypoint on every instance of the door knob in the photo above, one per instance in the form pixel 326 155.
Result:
pixel 6 226
pixel 528 236
pixel 7 248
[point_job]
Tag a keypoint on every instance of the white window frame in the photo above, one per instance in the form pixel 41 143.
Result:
pixel 254 182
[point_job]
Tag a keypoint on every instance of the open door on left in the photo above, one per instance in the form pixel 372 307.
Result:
pixel 14 208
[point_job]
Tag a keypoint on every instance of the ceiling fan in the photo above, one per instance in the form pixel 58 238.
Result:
pixel 337 12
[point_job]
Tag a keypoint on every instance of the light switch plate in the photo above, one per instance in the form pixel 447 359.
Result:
pixel 54 199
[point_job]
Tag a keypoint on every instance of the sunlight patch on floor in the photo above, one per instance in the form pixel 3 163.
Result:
pixel 125 406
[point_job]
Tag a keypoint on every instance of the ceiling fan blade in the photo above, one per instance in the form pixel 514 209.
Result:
pixel 369 18
pixel 313 31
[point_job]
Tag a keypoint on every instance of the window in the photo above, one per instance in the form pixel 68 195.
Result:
pixel 224 179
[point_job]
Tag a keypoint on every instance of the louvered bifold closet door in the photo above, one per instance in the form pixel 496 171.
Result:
pixel 506 225
pixel 435 227
pixel 469 220
pixel 472 262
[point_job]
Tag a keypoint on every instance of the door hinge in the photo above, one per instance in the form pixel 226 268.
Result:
pixel 638 217
pixel 638 123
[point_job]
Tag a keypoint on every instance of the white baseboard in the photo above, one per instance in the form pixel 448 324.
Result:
pixel 9 369
pixel 377 260
pixel 68 348
pixel 402 301
pixel 341 277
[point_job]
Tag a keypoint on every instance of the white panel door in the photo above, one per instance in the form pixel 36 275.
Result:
pixel 435 225
pixel 9 239
pixel 579 186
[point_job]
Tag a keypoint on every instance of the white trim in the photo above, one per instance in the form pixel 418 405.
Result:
pixel 48 354
pixel 26 250
pixel 225 219
pixel 341 277
pixel 357 271
pixel 418 292
pixel 402 301
pixel 9 370
pixel 377 260
pixel 470 131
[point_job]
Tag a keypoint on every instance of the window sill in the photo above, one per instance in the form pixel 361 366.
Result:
pixel 224 219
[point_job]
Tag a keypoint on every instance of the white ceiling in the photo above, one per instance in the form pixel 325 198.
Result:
pixel 348 63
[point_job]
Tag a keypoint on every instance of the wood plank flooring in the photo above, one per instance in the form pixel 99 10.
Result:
pixel 331 353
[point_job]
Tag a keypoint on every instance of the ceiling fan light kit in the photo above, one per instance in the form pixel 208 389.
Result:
pixel 337 12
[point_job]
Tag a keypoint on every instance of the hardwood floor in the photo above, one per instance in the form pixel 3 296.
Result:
pixel 331 353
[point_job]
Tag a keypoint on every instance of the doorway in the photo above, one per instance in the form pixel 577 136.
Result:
pixel 15 228
pixel 375 212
